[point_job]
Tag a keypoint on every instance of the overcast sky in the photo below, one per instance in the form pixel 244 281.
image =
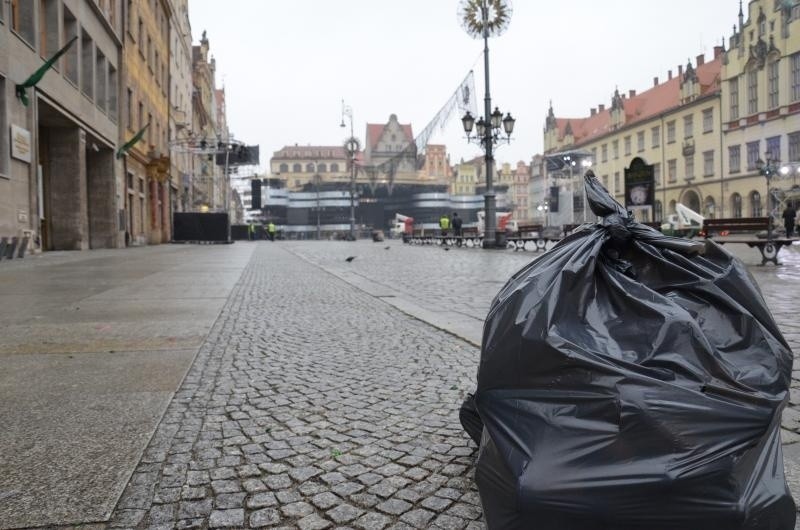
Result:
pixel 286 65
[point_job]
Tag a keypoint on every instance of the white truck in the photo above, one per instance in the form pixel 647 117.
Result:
pixel 684 222
pixel 504 222
pixel 399 225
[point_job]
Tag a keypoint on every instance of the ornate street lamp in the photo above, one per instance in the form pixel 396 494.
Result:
pixel 352 146
pixel 768 170
pixel 482 19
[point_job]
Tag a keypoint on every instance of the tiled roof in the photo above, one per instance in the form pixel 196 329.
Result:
pixel 374 131
pixel 644 106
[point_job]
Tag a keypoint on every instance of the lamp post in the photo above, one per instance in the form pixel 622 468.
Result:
pixel 768 170
pixel 352 146
pixel 316 184
pixel 570 163
pixel 586 163
pixel 482 19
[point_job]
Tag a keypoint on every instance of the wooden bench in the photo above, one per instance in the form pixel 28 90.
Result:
pixel 720 229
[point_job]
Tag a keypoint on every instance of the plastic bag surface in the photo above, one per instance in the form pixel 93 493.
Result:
pixel 630 380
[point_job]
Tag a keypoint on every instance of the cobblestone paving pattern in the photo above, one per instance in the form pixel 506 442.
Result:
pixel 466 280
pixel 311 405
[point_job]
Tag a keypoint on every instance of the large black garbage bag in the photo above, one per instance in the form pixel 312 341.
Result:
pixel 629 380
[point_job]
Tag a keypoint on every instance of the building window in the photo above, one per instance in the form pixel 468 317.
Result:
pixel 627 145
pixel 689 166
pixel 736 205
pixel 309 168
pixel 752 155
pixel 604 152
pixel 140 36
pixel 655 134
pixel 657 173
pixel 71 55
pixel 615 149
pixel 322 168
pixel 616 181
pixel 774 147
pixel 755 204
pixel 671 132
pixel 708 163
pixel 794 147
pixel 101 83
pixel 772 85
pixel 334 167
pixel 48 28
pixel 640 141
pixel 658 211
pixel 733 90
pixel 688 126
pixel 23 18
pixel 4 142
pixel 708 120
pixel 87 65
pixel 795 66
pixel 672 171
pixel 129 109
pixel 735 158
pixel 141 115
pixel 284 168
pixel 297 168
pixel 112 92
pixel 129 14
pixel 752 91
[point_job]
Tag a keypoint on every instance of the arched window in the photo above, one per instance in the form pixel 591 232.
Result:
pixel 297 168
pixel 284 168
pixel 334 167
pixel 691 200
pixel 755 204
pixel 710 207
pixel 309 168
pixel 736 205
pixel 658 211
pixel 322 168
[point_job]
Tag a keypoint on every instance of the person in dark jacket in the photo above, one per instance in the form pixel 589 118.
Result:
pixel 456 224
pixel 789 215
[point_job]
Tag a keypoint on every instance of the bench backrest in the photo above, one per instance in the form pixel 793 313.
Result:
pixel 741 224
pixel 526 229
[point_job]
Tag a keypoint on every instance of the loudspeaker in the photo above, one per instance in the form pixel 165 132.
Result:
pixel 255 190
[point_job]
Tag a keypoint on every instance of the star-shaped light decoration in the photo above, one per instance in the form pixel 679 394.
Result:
pixel 498 17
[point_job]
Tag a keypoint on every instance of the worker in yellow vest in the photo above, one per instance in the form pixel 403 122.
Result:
pixel 271 231
pixel 444 224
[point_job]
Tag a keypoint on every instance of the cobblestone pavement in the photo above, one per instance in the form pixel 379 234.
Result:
pixel 311 405
pixel 466 280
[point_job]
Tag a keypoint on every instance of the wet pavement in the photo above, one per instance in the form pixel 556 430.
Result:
pixel 307 391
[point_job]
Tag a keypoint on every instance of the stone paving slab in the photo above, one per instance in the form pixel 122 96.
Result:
pixel 92 348
pixel 73 428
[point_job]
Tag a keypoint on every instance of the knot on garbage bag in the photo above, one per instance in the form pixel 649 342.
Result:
pixel 617 226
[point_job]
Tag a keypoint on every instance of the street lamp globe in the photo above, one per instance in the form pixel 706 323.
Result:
pixel 469 122
pixel 508 124
pixel 497 118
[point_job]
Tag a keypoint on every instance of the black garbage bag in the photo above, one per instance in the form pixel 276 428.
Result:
pixel 630 380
